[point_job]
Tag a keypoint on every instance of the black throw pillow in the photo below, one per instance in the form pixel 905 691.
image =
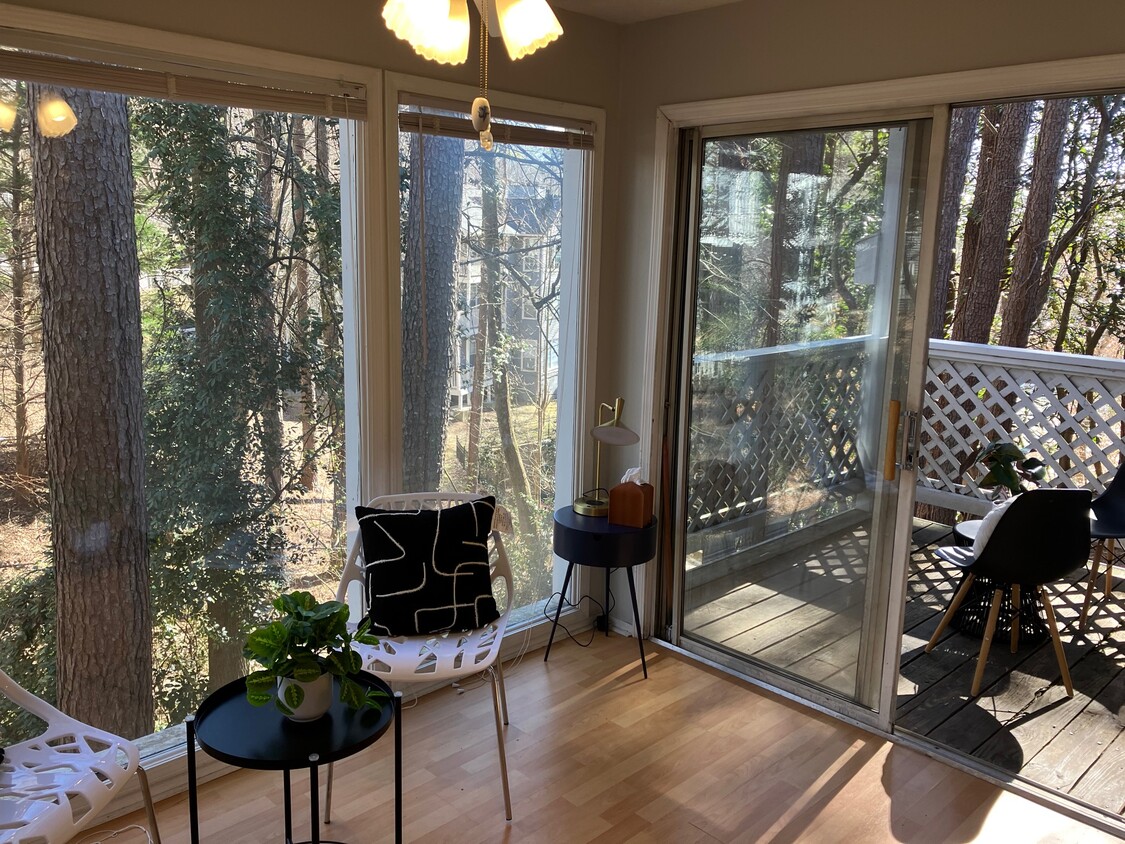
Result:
pixel 426 571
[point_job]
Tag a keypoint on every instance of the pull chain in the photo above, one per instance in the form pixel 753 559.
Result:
pixel 482 111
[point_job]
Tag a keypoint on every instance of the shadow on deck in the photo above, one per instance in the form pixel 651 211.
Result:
pixel 1022 722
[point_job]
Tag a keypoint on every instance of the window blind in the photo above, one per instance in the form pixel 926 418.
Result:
pixel 348 102
pixel 431 116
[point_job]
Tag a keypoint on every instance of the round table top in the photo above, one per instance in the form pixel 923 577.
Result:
pixel 593 541
pixel 261 737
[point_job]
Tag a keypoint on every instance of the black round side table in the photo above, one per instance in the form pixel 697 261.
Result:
pixel 593 541
pixel 228 728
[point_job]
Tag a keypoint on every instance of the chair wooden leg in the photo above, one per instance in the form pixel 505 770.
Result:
pixel 953 606
pixel 150 810
pixel 986 642
pixel 503 693
pixel 1060 654
pixel 1015 617
pixel 1109 567
pixel 500 745
pixel 1099 548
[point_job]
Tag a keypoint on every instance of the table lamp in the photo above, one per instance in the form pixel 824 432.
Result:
pixel 595 502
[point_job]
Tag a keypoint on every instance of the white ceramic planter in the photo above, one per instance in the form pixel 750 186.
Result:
pixel 318 697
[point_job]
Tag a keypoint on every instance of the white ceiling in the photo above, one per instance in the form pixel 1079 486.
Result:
pixel 631 11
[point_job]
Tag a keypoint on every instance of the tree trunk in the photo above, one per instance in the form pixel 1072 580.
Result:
pixel 1024 295
pixel 433 218
pixel 89 276
pixel 990 122
pixel 999 178
pixel 20 261
pixel 962 131
pixel 476 400
pixel 492 296
pixel 297 142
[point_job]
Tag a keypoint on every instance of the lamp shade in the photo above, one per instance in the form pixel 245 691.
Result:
pixel 55 116
pixel 615 434
pixel 526 25
pixel 7 116
pixel 438 30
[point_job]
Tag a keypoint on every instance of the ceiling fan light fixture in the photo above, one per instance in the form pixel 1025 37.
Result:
pixel 55 116
pixel 7 116
pixel 438 30
pixel 526 25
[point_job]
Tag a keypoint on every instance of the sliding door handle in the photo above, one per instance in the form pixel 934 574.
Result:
pixel 894 412
pixel 910 442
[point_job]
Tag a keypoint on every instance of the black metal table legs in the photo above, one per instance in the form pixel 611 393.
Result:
pixel 193 798
pixel 632 598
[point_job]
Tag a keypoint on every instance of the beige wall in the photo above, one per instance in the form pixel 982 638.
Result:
pixel 759 47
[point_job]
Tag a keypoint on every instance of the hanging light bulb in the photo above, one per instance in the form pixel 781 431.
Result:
pixel 526 25
pixel 55 116
pixel 7 116
pixel 438 30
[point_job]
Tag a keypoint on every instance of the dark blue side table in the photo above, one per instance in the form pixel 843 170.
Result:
pixel 593 541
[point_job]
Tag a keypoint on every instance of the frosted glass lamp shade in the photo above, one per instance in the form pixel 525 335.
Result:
pixel 7 116
pixel 526 25
pixel 55 116
pixel 438 30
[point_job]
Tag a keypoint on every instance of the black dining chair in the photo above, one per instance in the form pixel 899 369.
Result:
pixel 1041 535
pixel 1107 526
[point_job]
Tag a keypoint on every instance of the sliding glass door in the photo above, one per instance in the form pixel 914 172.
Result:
pixel 802 267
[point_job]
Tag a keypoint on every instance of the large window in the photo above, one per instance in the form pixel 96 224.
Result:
pixel 487 277
pixel 171 392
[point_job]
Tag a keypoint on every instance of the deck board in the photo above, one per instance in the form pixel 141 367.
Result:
pixel 803 615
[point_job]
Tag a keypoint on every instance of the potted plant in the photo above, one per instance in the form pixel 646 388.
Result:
pixel 1008 467
pixel 301 651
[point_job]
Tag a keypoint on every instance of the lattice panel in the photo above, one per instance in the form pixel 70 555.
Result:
pixel 1066 408
pixel 765 423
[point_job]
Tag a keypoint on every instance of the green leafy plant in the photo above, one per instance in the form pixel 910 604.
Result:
pixel 307 640
pixel 1007 466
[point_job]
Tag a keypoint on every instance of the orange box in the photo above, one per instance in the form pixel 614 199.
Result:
pixel 630 504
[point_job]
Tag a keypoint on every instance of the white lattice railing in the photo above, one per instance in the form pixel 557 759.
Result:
pixel 1066 408
pixel 765 422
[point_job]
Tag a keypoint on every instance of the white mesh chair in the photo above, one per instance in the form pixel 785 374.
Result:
pixel 54 785
pixel 436 658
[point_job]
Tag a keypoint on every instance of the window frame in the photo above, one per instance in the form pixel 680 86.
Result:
pixel 363 235
pixel 572 436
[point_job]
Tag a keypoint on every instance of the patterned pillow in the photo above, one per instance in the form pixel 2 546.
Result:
pixel 426 571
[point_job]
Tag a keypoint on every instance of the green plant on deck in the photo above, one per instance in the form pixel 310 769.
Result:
pixel 307 640
pixel 1007 466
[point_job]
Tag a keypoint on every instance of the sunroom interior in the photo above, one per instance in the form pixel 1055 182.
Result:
pixel 788 686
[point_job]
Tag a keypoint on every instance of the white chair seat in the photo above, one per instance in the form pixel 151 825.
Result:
pixel 54 785
pixel 437 657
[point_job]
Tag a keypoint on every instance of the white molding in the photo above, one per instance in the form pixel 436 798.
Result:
pixel 1055 78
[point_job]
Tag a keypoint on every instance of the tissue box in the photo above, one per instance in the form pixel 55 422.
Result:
pixel 630 504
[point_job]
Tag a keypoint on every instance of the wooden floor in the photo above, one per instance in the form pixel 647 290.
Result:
pixel 597 754
pixel 1022 722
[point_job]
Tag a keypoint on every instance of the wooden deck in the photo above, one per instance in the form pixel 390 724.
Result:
pixel 1022 722
pixel 803 616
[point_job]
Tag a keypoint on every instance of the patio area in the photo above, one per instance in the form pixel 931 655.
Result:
pixel 1022 722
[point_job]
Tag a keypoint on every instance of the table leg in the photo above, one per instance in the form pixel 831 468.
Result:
pixel 193 796
pixel 288 809
pixel 314 797
pixel 636 619
pixel 558 610
pixel 398 767
pixel 606 596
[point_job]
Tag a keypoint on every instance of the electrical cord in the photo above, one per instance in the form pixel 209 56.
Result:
pixel 547 614
pixel 109 836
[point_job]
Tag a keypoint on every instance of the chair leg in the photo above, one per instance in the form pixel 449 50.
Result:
pixel 503 692
pixel 1099 547
pixel 328 796
pixel 500 745
pixel 150 810
pixel 953 607
pixel 986 642
pixel 1060 654
pixel 1109 568
pixel 1015 617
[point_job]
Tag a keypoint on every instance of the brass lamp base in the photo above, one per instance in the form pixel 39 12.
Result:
pixel 592 503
